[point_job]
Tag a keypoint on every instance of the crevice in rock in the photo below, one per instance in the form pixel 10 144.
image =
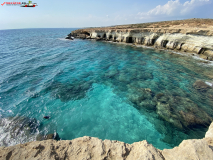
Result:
pixel 181 45
pixel 9 155
pixel 127 152
pixel 142 40
pixel 104 36
pixel 202 50
pixel 175 44
pixel 153 41
pixel 164 43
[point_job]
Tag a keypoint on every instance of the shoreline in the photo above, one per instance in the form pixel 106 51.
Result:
pixel 193 35
pixel 94 148
pixel 185 54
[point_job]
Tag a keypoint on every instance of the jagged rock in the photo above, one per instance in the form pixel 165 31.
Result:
pixel 19 125
pixel 81 148
pixel 209 133
pixel 189 149
pixel 98 38
pixel 17 129
pixel 94 148
pixel 68 37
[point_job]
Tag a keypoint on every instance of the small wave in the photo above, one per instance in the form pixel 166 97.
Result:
pixel 10 111
pixel 15 130
pixel 208 83
pixel 63 39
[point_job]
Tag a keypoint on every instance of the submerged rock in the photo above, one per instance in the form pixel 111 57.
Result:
pixel 165 112
pixel 181 112
pixel 111 73
pixel 41 137
pixel 201 86
pixel 142 97
pixel 17 125
pixel 17 129
pixel 69 91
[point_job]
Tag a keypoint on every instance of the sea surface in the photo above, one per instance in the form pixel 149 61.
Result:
pixel 100 89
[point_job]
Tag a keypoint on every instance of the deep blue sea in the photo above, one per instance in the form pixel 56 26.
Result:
pixel 99 89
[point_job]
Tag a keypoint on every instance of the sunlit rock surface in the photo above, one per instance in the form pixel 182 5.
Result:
pixel 94 148
pixel 193 35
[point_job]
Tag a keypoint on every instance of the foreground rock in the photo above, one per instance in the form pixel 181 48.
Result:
pixel 94 148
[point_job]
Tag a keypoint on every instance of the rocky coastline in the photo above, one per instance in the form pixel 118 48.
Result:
pixel 193 36
pixel 94 148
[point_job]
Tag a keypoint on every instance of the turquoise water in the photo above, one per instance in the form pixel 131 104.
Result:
pixel 98 89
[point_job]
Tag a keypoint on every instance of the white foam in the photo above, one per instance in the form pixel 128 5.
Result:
pixel 63 39
pixel 208 83
pixel 10 111
pixel 7 140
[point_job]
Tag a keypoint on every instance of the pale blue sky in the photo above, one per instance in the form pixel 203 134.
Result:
pixel 94 13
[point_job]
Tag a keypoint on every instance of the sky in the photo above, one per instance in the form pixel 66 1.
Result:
pixel 97 13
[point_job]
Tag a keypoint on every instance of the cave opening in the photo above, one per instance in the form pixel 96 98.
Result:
pixel 122 39
pixel 163 43
pixel 153 41
pixel 88 34
pixel 110 37
pixel 129 40
pixel 142 40
pixel 104 36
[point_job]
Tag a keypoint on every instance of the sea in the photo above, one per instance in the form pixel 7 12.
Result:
pixel 108 90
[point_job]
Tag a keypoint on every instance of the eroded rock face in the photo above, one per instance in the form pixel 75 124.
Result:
pixel 209 133
pixel 94 148
pixel 189 149
pixel 185 40
pixel 81 148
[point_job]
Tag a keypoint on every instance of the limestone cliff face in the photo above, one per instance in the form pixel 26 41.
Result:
pixel 94 148
pixel 185 40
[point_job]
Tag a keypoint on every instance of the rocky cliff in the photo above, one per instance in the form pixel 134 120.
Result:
pixel 94 148
pixel 193 35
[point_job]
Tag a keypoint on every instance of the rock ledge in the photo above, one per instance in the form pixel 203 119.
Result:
pixel 94 148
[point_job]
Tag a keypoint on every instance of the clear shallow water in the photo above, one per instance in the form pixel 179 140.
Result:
pixel 98 89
